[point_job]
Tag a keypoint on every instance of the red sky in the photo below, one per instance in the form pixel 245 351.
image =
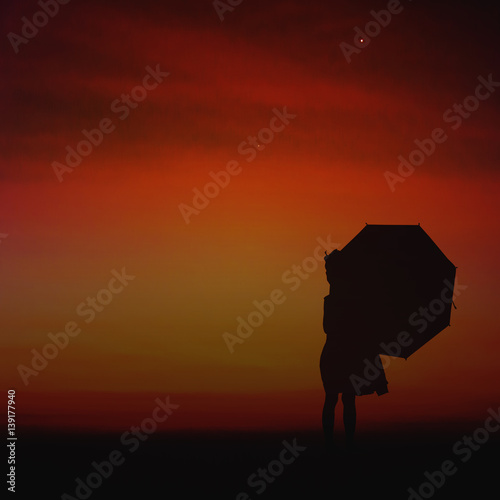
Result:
pixel 322 175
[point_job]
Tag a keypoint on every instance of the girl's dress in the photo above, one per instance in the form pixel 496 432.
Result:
pixel 342 363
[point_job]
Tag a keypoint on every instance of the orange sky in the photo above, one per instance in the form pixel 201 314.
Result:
pixel 322 175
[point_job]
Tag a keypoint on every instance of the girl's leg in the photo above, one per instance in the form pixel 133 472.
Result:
pixel 329 417
pixel 349 417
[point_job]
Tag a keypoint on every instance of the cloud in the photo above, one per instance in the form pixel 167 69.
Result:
pixel 226 77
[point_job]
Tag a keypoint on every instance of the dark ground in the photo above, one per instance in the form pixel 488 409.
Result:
pixel 188 465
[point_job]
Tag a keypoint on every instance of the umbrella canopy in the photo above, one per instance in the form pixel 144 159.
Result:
pixel 391 289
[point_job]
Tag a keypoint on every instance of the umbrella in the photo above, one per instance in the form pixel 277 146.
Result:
pixel 391 289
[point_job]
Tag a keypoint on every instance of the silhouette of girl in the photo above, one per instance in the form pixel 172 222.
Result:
pixel 344 352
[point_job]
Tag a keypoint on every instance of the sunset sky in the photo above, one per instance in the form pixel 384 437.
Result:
pixel 321 176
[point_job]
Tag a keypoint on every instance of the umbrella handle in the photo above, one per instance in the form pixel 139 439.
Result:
pixel 454 304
